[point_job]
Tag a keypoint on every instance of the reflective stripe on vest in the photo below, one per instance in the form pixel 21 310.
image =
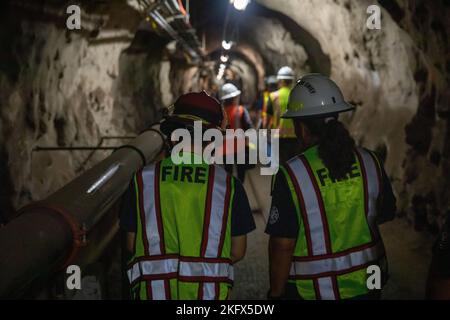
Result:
pixel 216 214
pixel 322 265
pixel 153 227
pixel 218 270
pixel 336 263
pixel 315 221
pixel 156 268
pixel 372 187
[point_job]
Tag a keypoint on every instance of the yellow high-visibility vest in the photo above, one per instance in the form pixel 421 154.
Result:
pixel 280 100
pixel 338 235
pixel 183 237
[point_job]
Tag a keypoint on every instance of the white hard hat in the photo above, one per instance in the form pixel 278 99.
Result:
pixel 228 91
pixel 285 73
pixel 270 80
pixel 316 95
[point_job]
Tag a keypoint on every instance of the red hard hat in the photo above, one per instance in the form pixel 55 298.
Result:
pixel 198 106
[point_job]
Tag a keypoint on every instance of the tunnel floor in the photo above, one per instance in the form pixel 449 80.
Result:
pixel 408 252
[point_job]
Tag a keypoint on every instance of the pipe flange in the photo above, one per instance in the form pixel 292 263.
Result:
pixel 78 231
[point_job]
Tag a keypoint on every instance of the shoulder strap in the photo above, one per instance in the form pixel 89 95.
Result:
pixel 150 211
pixel 372 186
pixel 312 208
pixel 216 212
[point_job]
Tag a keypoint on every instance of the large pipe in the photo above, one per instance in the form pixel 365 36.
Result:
pixel 47 235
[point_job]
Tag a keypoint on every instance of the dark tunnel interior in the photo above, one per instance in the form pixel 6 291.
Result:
pixel 69 98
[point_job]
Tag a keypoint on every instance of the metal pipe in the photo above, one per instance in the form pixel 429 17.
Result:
pixel 81 148
pixel 100 143
pixel 47 235
pixel 78 148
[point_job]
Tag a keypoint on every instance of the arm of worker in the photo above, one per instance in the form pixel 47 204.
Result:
pixel 242 222
pixel 282 226
pixel 438 284
pixel 280 256
pixel 238 248
pixel 127 218
pixel 386 203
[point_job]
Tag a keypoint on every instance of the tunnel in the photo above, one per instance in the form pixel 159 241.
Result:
pixel 71 96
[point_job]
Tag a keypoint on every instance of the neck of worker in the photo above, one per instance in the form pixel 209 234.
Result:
pixel 304 137
pixel 194 149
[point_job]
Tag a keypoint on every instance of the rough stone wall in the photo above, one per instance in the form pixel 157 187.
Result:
pixel 61 96
pixel 248 78
pixel 63 88
pixel 427 164
pixel 275 44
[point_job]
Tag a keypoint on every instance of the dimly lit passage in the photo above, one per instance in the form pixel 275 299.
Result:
pixel 93 206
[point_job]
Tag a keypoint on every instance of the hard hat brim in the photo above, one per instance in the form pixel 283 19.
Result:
pixel 320 111
pixel 231 95
pixel 285 78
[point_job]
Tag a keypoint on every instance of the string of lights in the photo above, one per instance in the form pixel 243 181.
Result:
pixel 227 44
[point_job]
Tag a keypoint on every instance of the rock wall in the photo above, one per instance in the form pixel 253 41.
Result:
pixel 275 44
pixel 61 95
pixel 427 164
pixel 61 88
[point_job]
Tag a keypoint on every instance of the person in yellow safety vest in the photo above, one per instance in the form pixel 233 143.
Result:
pixel 438 282
pixel 270 87
pixel 185 224
pixel 288 144
pixel 327 203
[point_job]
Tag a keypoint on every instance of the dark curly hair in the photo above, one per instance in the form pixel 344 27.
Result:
pixel 336 146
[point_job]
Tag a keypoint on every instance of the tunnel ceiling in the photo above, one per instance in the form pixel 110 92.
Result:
pixel 112 78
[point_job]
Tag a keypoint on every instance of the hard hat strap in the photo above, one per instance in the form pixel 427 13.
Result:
pixel 189 119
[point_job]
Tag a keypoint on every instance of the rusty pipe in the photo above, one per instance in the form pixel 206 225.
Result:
pixel 47 234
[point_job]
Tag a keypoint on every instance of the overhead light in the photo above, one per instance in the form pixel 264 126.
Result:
pixel 227 45
pixel 240 4
pixel 224 59
pixel 220 74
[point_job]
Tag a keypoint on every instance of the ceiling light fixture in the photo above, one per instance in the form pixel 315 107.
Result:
pixel 227 45
pixel 240 5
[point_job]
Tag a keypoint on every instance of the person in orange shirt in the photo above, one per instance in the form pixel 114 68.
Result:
pixel 238 118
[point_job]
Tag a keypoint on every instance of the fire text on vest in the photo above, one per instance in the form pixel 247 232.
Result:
pixel 184 173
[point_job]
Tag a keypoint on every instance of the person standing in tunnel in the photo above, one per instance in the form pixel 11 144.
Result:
pixel 438 282
pixel 263 102
pixel 238 118
pixel 327 204
pixel 186 223
pixel 289 146
pixel 271 86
